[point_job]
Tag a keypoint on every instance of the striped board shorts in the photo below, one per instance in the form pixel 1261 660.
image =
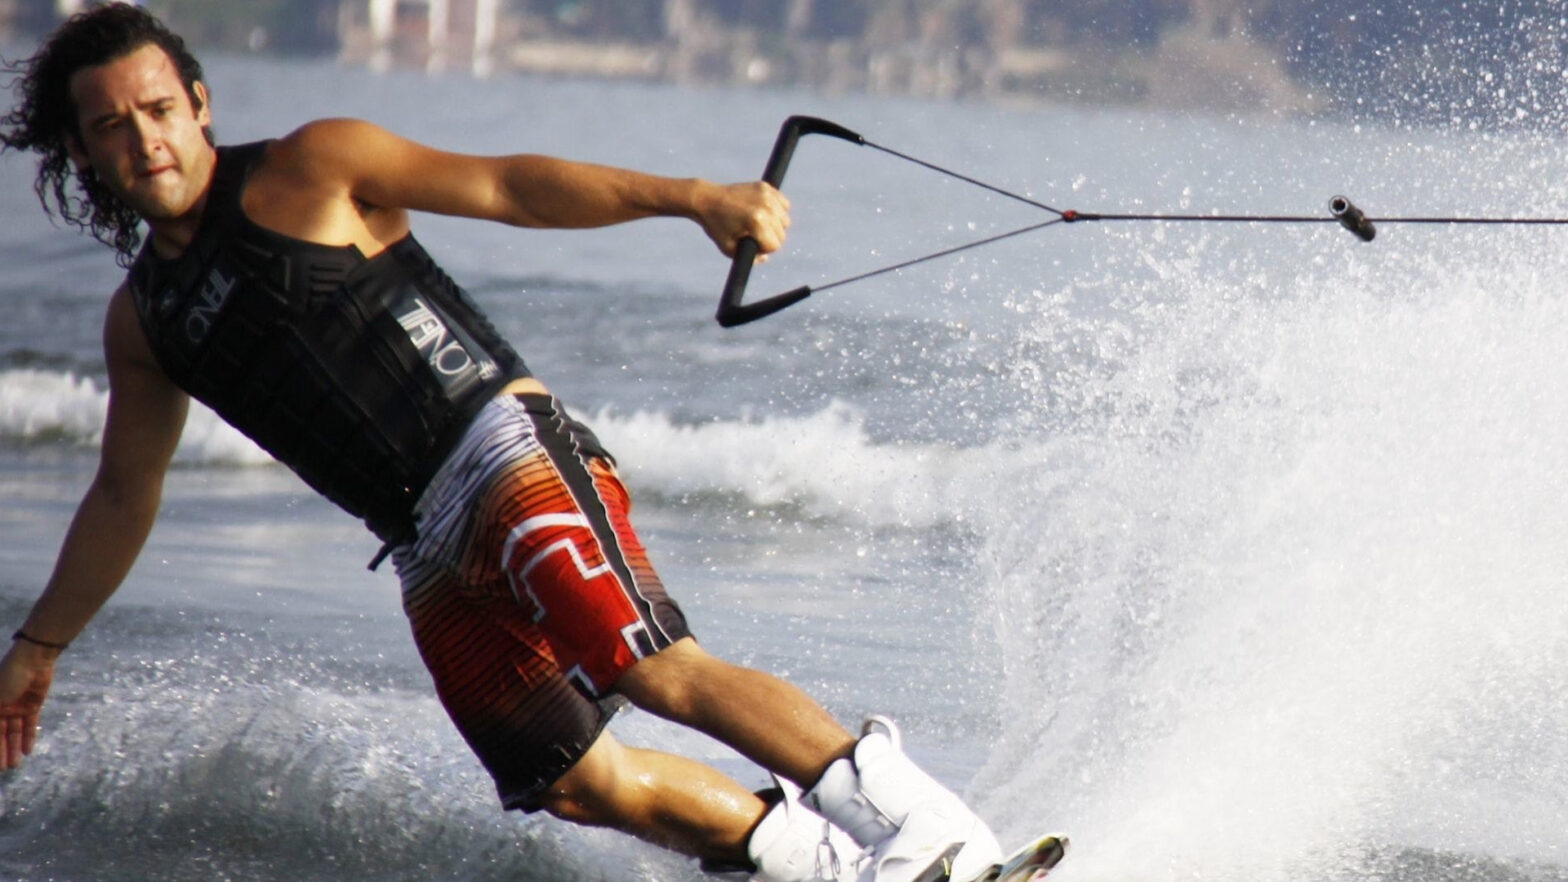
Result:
pixel 528 592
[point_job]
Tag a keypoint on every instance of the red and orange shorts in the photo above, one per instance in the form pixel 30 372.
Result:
pixel 528 592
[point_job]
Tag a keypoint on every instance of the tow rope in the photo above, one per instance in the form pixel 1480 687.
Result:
pixel 733 312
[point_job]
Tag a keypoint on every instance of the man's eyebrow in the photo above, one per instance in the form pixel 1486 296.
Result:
pixel 113 115
pixel 102 118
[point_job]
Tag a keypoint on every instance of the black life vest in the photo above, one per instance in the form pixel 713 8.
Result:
pixel 359 374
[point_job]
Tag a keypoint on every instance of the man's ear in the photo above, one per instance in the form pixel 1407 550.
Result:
pixel 73 149
pixel 203 103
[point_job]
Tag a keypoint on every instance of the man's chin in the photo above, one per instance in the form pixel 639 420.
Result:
pixel 153 208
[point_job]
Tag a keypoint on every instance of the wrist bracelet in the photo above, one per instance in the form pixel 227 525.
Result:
pixel 22 636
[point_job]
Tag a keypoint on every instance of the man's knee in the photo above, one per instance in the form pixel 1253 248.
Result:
pixel 592 792
pixel 672 682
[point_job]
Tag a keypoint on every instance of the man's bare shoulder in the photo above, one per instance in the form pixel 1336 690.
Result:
pixel 343 154
pixel 332 133
pixel 316 183
pixel 120 300
pixel 124 343
pixel 322 147
pixel 121 321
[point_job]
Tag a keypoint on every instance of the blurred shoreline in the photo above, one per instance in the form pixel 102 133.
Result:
pixel 1449 63
pixel 1186 70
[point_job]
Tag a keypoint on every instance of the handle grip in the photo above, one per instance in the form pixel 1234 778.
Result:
pixel 731 311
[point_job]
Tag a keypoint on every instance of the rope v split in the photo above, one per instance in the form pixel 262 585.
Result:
pixel 733 312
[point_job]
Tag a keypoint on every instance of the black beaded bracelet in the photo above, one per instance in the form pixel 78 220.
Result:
pixel 22 635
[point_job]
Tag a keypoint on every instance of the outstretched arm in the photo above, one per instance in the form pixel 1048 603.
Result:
pixel 146 415
pixel 381 170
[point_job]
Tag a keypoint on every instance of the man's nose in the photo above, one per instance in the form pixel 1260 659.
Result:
pixel 146 138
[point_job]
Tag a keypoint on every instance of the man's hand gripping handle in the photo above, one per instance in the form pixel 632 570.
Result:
pixel 731 311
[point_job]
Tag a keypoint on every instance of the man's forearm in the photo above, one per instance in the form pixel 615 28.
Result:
pixel 102 543
pixel 558 193
pixel 544 192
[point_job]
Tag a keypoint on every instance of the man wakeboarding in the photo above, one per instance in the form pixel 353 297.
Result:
pixel 279 284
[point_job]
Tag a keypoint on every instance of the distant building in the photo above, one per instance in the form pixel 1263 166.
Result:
pixel 432 34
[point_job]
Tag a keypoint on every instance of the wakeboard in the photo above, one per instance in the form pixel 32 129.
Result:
pixel 1030 862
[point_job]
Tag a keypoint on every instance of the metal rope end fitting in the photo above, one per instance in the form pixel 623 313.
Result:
pixel 1352 219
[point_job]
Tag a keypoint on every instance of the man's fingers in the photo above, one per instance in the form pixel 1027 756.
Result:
pixel 12 754
pixel 18 734
pixel 29 735
pixel 769 231
pixel 754 210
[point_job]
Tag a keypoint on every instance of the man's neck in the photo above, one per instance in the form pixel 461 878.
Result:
pixel 171 236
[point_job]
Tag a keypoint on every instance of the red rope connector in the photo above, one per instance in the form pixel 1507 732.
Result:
pixel 1069 215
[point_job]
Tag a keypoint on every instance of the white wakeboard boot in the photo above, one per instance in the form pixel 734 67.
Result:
pixel 792 843
pixel 906 820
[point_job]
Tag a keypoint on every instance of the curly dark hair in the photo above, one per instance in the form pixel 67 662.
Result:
pixel 45 116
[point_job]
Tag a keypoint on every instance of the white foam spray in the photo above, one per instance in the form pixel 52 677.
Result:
pixel 1288 595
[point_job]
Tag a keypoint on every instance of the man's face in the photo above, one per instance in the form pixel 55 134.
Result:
pixel 141 135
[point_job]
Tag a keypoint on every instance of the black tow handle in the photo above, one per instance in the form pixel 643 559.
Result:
pixel 731 311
